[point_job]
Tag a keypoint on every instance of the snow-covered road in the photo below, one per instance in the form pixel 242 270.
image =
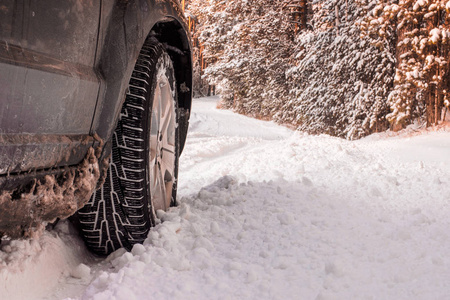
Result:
pixel 268 213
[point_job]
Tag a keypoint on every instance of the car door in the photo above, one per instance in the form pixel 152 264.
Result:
pixel 48 83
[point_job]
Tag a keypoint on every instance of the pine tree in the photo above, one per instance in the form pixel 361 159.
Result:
pixel 420 29
pixel 248 48
pixel 349 68
pixel 340 81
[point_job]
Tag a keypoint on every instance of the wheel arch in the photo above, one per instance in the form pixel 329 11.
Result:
pixel 173 36
pixel 126 25
pixel 178 45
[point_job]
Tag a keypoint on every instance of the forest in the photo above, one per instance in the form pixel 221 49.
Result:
pixel 347 68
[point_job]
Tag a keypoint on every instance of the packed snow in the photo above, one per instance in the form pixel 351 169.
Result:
pixel 269 213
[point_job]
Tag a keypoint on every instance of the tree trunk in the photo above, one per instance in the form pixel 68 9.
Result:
pixel 432 101
pixel 337 18
pixel 304 14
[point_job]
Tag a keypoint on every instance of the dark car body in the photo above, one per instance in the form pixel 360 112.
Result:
pixel 64 71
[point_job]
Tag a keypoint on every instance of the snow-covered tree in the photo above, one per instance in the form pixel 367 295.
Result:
pixel 340 82
pixel 346 68
pixel 421 31
pixel 247 46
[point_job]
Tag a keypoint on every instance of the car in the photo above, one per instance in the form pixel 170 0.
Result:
pixel 95 98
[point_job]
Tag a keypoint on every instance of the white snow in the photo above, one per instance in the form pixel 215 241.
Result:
pixel 435 34
pixel 81 272
pixel 34 269
pixel 268 213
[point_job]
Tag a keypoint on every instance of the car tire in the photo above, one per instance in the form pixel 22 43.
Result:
pixel 143 170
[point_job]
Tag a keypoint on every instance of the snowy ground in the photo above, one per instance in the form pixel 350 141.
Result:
pixel 267 213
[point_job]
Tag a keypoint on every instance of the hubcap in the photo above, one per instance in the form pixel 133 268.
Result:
pixel 162 145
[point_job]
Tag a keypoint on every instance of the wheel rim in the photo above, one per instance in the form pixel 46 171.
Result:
pixel 162 145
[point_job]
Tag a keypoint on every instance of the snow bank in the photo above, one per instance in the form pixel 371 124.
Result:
pixel 32 269
pixel 268 213
pixel 282 215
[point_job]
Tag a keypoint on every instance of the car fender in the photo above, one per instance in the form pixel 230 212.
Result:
pixel 128 24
